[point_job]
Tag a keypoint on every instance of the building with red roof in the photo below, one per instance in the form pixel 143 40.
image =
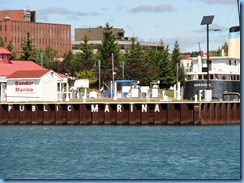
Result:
pixel 16 76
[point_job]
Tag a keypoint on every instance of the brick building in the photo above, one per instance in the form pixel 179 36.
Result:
pixel 14 25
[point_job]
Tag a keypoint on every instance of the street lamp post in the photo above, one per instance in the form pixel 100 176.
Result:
pixel 98 63
pixel 114 85
pixel 207 20
pixel 99 74
pixel 122 65
pixel 113 71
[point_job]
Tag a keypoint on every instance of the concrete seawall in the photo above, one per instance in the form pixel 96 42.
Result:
pixel 172 113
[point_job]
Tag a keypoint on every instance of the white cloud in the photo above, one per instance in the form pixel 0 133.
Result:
pixel 220 1
pixel 45 12
pixel 146 8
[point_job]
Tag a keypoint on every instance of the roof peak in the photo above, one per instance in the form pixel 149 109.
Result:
pixel 4 51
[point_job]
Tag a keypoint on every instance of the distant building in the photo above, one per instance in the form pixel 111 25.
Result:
pixel 95 36
pixel 15 24
pixel 186 62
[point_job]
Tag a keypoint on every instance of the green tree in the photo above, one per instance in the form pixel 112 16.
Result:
pixel 175 59
pixel 86 57
pixel 2 44
pixel 66 66
pixel 87 53
pixel 138 66
pixel 166 72
pixel 105 51
pixel 218 52
pixel 29 51
pixel 150 56
pixel 88 74
pixel 136 52
pixel 141 70
pixel 49 57
pixel 10 47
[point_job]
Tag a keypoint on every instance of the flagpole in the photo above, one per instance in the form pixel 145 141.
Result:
pixel 208 56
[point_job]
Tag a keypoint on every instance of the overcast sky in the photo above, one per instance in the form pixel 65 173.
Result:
pixel 148 20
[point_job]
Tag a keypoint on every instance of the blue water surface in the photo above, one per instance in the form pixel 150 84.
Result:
pixel 120 152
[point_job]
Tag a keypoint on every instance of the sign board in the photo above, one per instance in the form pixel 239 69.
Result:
pixel 24 86
pixel 81 83
pixel 144 89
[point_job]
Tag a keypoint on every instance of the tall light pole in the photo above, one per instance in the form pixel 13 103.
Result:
pixel 98 63
pixel 99 74
pixel 113 71
pixel 207 20
pixel 114 86
pixel 122 64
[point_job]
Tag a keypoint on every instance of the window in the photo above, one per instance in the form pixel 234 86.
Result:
pixel 229 62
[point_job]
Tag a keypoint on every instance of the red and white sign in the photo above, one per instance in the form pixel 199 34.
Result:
pixel 24 86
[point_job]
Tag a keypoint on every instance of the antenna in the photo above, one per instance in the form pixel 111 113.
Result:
pixel 238 7
pixel 199 46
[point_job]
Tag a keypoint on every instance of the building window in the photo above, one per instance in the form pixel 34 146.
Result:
pixel 6 28
pixel 229 62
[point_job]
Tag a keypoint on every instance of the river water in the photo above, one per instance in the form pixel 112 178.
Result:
pixel 120 152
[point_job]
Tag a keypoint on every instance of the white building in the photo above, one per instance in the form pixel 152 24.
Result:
pixel 27 81
pixel 33 86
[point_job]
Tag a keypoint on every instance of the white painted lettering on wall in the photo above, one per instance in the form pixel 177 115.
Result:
pixel 156 108
pixel 94 108
pixel 69 108
pixel 106 108
pixel 144 108
pixel 21 108
pixel 119 108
